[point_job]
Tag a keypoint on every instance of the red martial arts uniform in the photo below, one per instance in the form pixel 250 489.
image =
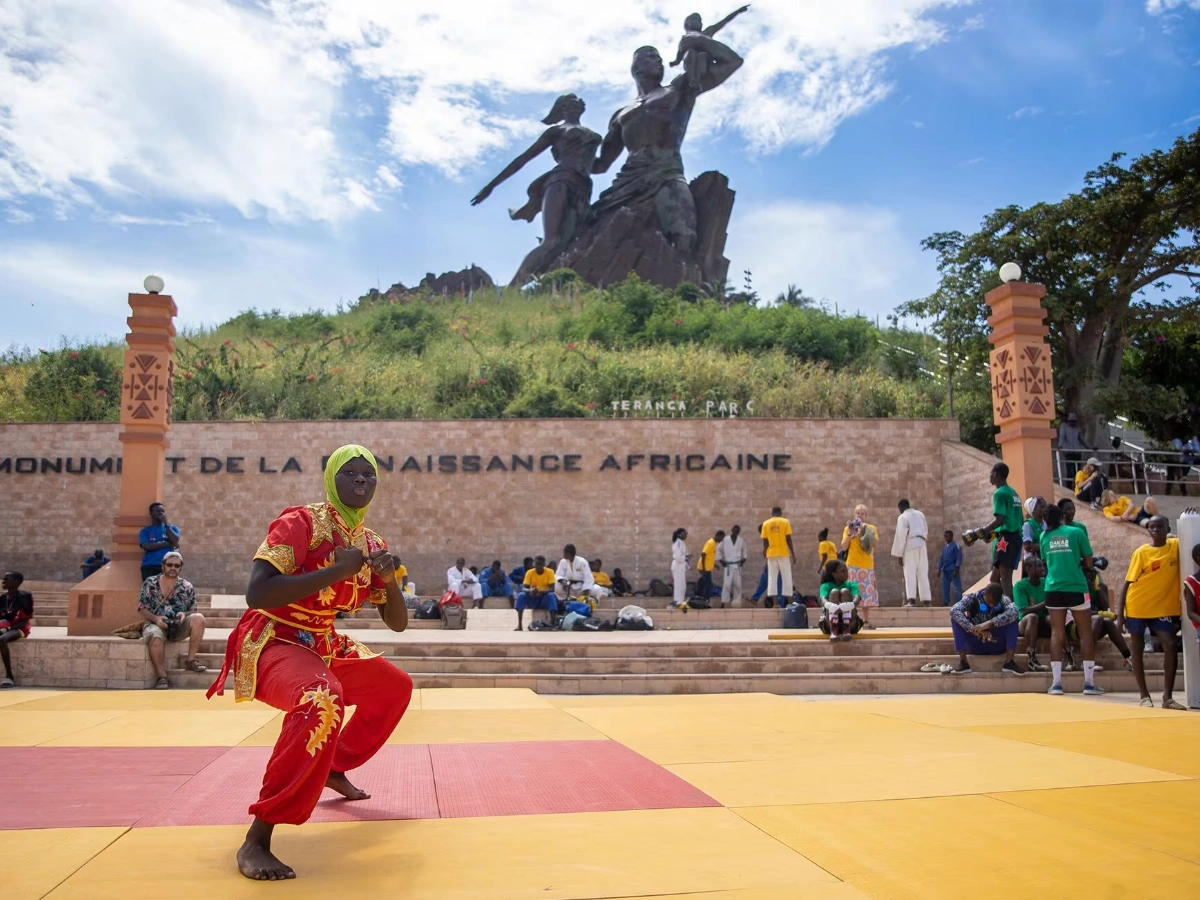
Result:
pixel 292 658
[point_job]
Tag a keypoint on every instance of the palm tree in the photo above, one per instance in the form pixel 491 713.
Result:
pixel 793 296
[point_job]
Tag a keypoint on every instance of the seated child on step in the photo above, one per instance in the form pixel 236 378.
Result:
pixel 839 597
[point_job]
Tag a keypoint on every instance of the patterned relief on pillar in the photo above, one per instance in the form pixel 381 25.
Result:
pixel 1022 382
pixel 146 388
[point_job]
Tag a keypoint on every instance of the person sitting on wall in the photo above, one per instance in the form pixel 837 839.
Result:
pixel 464 582
pixel 495 583
pixel 1121 509
pixel 600 576
pixel 839 597
pixel 538 592
pixel 1091 482
pixel 1029 596
pixel 94 563
pixel 517 573
pixel 168 604
pixel 156 539
pixel 620 585
pixel 408 590
pixel 985 623
pixel 16 611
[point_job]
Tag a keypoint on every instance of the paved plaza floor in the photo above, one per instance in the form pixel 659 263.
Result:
pixel 504 793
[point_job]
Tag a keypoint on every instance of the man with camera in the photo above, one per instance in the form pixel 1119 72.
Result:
pixel 168 604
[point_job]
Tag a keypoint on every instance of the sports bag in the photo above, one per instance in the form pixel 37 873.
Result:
pixel 454 617
pixel 659 588
pixel 699 603
pixel 634 618
pixel 795 616
pixel 427 609
pixel 578 607
pixel 449 598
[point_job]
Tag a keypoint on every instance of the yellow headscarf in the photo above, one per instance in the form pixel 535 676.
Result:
pixel 342 455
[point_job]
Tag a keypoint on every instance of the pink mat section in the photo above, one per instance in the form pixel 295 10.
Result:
pixel 66 787
pixel 399 779
pixel 544 777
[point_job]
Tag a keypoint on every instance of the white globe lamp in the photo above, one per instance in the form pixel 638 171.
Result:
pixel 154 285
pixel 1010 271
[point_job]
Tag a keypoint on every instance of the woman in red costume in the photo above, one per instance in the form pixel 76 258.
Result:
pixel 318 560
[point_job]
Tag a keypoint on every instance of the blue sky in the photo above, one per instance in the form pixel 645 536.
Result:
pixel 288 154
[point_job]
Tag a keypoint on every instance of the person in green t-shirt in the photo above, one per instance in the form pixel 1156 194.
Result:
pixel 1029 594
pixel 1067 553
pixel 839 597
pixel 1005 527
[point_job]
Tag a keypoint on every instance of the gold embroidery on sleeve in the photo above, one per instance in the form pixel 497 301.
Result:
pixel 280 556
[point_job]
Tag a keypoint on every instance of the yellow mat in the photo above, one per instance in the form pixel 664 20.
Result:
pixel 914 850
pixel 39 860
pixel 19 728
pixel 716 720
pixel 454 726
pixel 13 696
pixel 836 891
pixel 138 700
pixel 1005 709
pixel 585 701
pixel 592 855
pixel 1170 742
pixel 1164 816
pixel 481 698
pixel 164 728
pixel 917 762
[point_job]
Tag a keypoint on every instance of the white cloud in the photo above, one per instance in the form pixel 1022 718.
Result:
pixel 16 216
pixel 1026 112
pixel 180 221
pixel 1156 7
pixel 973 161
pixel 388 178
pixel 856 256
pixel 251 105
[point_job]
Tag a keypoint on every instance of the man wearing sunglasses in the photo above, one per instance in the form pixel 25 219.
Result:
pixel 168 604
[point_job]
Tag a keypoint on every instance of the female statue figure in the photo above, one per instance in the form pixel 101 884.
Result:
pixel 652 128
pixel 562 194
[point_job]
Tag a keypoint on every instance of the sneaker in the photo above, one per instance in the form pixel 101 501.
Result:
pixel 847 636
pixel 1098 668
pixel 961 669
pixel 1146 701
pixel 1011 668
pixel 1056 689
pixel 1127 664
pixel 1092 690
pixel 1033 665
pixel 834 638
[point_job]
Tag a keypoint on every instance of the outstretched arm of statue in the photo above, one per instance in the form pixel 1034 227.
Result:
pixel 713 29
pixel 610 149
pixel 546 140
pixel 722 61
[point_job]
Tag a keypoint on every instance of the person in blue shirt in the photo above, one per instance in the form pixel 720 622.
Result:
pixel 94 563
pixel 157 539
pixel 950 565
pixel 495 583
pixel 517 575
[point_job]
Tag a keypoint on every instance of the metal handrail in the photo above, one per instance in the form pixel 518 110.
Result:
pixel 1140 461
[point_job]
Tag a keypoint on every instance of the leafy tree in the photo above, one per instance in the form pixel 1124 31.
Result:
pixel 795 297
pixel 1131 228
pixel 69 385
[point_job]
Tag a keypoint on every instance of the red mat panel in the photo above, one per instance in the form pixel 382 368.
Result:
pixel 65 787
pixel 544 777
pixel 399 779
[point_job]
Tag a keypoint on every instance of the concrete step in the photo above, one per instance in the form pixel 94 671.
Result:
pixel 782 683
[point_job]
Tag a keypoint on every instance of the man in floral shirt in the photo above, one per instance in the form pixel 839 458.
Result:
pixel 985 623
pixel 168 604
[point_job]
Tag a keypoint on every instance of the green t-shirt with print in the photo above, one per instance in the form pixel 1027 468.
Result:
pixel 1063 549
pixel 1027 594
pixel 1007 503
pixel 851 586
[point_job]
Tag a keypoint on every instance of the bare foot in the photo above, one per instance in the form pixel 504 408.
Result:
pixel 518 628
pixel 338 781
pixel 255 859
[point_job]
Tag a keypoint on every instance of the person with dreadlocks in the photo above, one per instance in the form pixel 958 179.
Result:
pixel 318 560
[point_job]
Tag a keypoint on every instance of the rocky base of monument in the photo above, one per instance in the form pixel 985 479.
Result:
pixel 630 241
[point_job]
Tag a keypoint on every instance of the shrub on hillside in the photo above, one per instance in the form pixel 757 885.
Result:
pixel 406 329
pixel 74 385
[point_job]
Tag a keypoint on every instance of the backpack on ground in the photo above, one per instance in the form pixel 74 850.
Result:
pixel 427 609
pixel 659 588
pixel 590 624
pixel 795 616
pixel 569 620
pixel 448 599
pixel 699 603
pixel 579 607
pixel 454 617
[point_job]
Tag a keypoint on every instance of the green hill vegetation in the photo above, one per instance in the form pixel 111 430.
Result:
pixel 569 350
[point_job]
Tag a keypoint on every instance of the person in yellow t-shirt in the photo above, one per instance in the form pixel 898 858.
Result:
pixel 1149 598
pixel 705 564
pixel 539 590
pixel 1090 482
pixel 776 535
pixel 858 540
pixel 601 578
pixel 1121 509
pixel 826 549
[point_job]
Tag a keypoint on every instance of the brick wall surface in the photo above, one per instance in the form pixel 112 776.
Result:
pixel 624 515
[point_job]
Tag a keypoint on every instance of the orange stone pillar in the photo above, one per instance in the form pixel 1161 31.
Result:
pixel 108 598
pixel 1022 386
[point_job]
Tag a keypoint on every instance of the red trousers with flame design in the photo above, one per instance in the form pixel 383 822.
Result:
pixel 314 741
